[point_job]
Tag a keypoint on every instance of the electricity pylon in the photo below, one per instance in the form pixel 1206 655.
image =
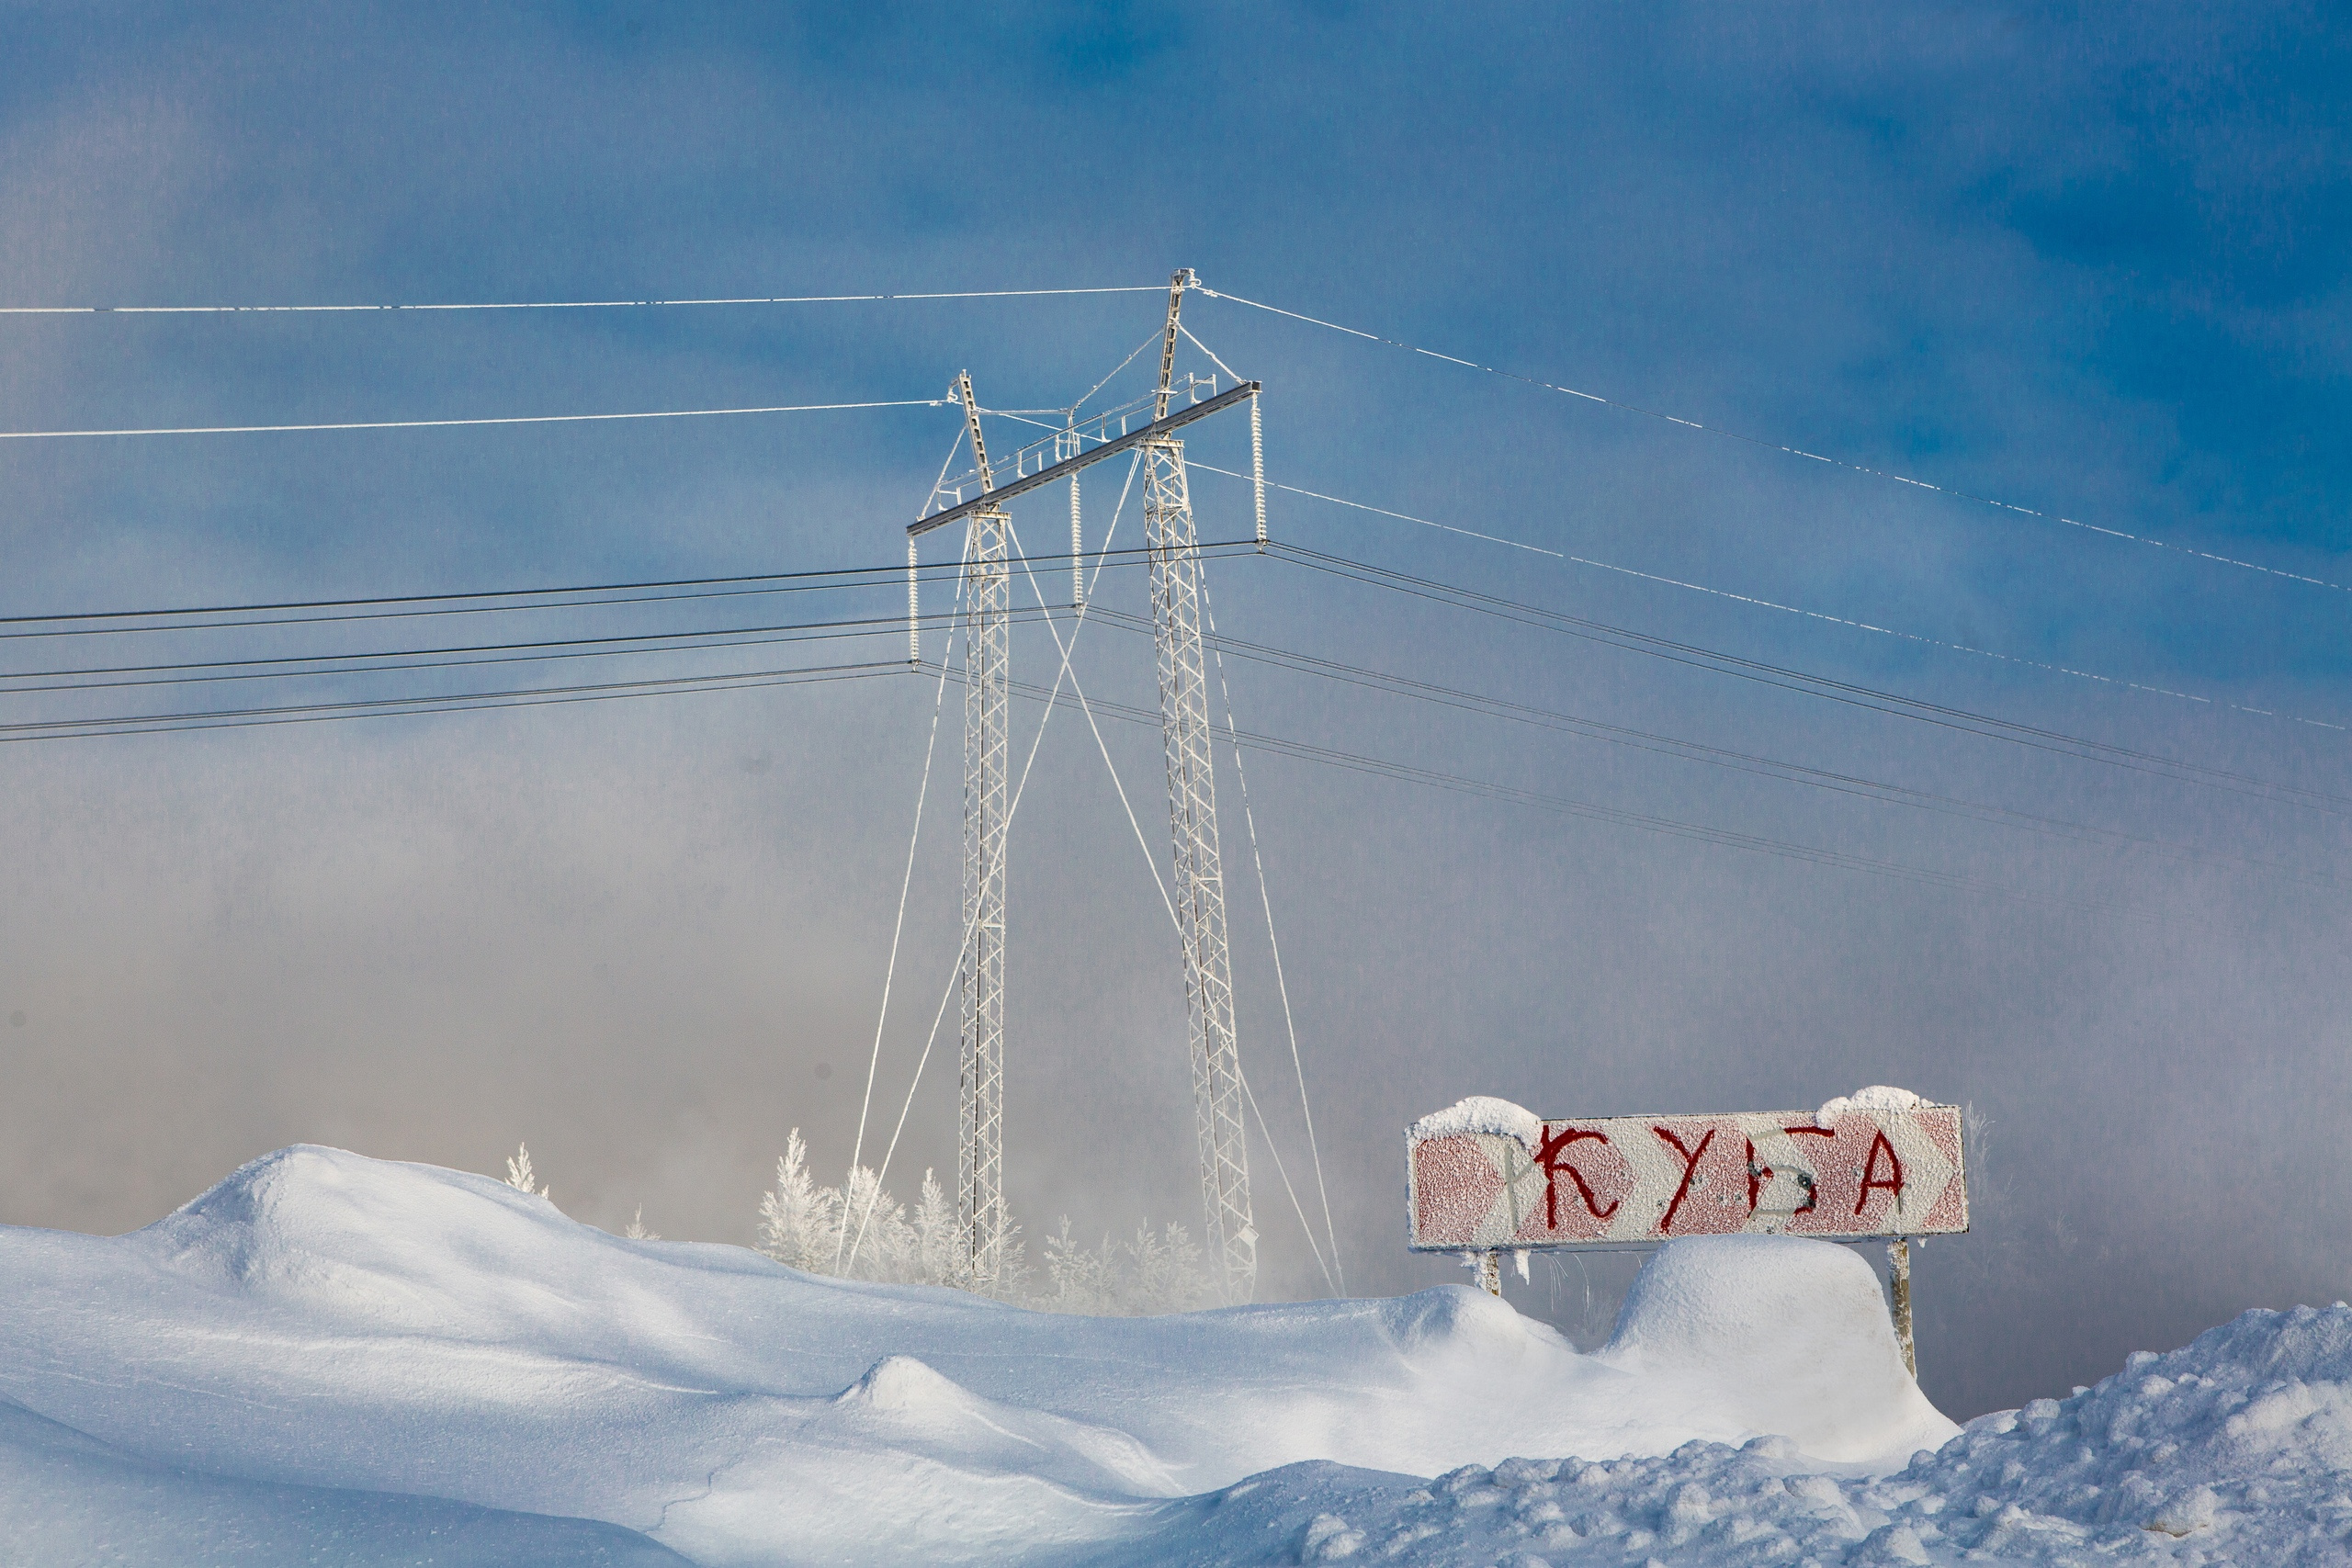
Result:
pixel 979 1187
pixel 1174 549
pixel 1174 552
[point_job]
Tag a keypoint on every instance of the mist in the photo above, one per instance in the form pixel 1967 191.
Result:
pixel 2087 263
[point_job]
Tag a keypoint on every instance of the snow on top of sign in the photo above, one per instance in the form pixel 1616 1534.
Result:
pixel 1482 1113
pixel 1878 1097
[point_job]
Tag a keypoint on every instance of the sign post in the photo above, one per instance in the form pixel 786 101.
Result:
pixel 1486 1177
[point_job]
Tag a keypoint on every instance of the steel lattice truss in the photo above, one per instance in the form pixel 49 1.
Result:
pixel 980 1103
pixel 1200 881
pixel 1173 547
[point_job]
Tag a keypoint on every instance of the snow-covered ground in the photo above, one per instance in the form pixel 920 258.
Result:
pixel 336 1359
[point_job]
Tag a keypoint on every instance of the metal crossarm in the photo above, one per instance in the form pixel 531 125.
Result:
pixel 1219 1095
pixel 1110 448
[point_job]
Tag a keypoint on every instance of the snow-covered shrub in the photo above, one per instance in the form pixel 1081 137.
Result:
pixel 518 1173
pixel 1137 1278
pixel 799 1220
pixel 859 1230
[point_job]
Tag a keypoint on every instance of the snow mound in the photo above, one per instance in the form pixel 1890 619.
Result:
pixel 1878 1097
pixel 323 1325
pixel 1482 1113
pixel 1788 1335
pixel 2235 1449
pixel 63 1495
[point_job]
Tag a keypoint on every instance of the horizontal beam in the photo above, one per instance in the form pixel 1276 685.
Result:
pixel 1069 466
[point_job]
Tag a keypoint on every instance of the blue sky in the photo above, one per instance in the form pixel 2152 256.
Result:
pixel 2085 260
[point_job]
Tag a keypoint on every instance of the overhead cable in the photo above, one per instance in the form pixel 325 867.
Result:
pixel 1762 604
pixel 1728 838
pixel 561 304
pixel 545 652
pixel 1770 446
pixel 447 424
pixel 465 702
pixel 460 604
pixel 1851 694
pixel 1850 784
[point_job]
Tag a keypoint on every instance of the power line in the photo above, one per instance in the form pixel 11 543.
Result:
pixel 1770 446
pixel 561 304
pixel 447 423
pixel 1671 827
pixel 1848 693
pixel 544 651
pixel 382 707
pixel 1760 603
pixel 1699 751
pixel 456 604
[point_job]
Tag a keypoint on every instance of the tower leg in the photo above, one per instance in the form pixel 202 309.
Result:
pixel 981 1099
pixel 1232 1238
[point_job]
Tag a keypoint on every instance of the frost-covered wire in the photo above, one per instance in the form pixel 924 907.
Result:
pixel 1012 810
pixel 1296 1207
pixel 1204 348
pixel 447 424
pixel 561 304
pixel 899 926
pixel 1770 445
pixel 1822 616
pixel 1281 984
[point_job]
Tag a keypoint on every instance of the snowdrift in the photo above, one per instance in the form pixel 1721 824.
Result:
pixel 2236 1450
pixel 328 1329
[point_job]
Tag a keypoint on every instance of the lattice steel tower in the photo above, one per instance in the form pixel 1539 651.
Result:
pixel 979 1189
pixel 1174 553
pixel 1232 1238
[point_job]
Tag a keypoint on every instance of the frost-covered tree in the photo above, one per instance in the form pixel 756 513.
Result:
pixel 939 1255
pixel 1137 1277
pixel 518 1173
pixel 800 1221
pixel 858 1230
pixel 636 1231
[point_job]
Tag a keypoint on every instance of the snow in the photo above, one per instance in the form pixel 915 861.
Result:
pixel 1787 1339
pixel 67 1500
pixel 1483 1113
pixel 2234 1450
pixel 329 1357
pixel 1878 1097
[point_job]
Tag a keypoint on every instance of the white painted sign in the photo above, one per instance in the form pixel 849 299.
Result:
pixel 1487 1176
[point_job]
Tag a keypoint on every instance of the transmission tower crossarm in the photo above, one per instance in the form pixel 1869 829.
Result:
pixel 1069 466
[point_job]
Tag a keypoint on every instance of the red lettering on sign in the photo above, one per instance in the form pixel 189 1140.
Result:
pixel 1812 1190
pixel 1758 1174
pixel 1691 1158
pixel 1872 1179
pixel 1547 1156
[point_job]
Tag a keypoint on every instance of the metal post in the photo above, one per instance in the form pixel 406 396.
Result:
pixel 914 603
pixel 980 1099
pixel 1174 550
pixel 987 594
pixel 1232 1238
pixel 1898 1270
